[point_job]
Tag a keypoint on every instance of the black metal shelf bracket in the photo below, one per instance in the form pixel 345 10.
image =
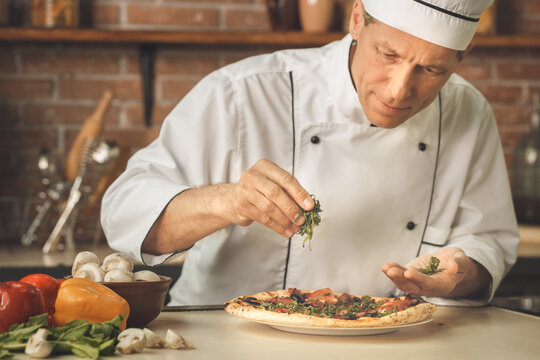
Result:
pixel 146 60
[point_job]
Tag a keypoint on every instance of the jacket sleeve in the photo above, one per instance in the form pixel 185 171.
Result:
pixel 196 146
pixel 484 223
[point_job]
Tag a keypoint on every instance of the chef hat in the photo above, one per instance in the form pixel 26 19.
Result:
pixel 449 23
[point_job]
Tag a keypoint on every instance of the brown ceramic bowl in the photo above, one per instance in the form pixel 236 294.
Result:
pixel 145 299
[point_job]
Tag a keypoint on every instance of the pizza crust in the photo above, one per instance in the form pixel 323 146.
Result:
pixel 411 315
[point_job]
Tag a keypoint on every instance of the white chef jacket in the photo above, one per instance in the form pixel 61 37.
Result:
pixel 437 180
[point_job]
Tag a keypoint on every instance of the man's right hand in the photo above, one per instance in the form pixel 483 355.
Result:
pixel 265 193
pixel 271 196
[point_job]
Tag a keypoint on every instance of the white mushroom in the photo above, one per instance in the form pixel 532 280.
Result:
pixel 175 341
pixel 146 275
pixel 38 346
pixel 131 340
pixel 84 257
pixel 117 261
pixel 118 275
pixel 152 339
pixel 90 271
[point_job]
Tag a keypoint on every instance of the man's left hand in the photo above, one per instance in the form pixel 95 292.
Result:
pixel 453 268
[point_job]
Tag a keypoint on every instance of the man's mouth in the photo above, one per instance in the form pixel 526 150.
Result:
pixel 392 108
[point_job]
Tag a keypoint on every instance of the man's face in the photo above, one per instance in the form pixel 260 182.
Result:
pixel 396 74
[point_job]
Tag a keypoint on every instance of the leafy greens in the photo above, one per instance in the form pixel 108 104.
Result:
pixel 80 337
pixel 432 267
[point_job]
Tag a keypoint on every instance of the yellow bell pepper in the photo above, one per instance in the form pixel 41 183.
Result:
pixel 88 300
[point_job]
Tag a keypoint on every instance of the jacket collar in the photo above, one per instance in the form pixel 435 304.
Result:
pixel 341 84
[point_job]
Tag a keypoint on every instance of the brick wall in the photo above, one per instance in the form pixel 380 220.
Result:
pixel 47 90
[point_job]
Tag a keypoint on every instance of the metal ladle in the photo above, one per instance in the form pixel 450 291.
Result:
pixel 105 155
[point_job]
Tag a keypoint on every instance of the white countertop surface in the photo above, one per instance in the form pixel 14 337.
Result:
pixel 19 256
pixel 455 333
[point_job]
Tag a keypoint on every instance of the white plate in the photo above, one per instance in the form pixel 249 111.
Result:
pixel 341 331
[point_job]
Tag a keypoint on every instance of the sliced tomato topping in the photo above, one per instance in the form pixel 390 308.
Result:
pixel 284 300
pixel 322 295
pixel 397 304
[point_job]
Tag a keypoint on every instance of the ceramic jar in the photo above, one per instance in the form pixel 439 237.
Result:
pixel 316 16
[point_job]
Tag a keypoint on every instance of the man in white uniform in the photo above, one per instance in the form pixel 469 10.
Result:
pixel 403 155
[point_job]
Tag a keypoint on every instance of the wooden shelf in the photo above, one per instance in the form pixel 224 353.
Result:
pixel 167 37
pixel 507 41
pixel 285 39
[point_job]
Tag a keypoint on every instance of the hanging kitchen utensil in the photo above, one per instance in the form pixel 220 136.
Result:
pixel 56 188
pixel 99 159
pixel 73 200
pixel 92 127
pixel 30 236
pixel 115 160
pixel 107 156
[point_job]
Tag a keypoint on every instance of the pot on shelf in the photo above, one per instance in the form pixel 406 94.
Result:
pixel 316 16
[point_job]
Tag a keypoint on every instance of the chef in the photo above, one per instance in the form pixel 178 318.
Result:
pixel 403 155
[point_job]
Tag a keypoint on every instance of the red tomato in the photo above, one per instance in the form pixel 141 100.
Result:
pixel 323 295
pixel 48 286
pixel 18 301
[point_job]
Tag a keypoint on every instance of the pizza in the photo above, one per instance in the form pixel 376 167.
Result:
pixel 324 308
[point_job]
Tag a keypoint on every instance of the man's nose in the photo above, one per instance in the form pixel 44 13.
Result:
pixel 401 82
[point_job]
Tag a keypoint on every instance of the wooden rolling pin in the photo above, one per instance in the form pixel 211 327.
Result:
pixel 91 129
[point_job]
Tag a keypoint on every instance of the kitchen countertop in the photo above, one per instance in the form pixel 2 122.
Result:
pixel 32 256
pixel 455 333
pixel 530 241
pixel 19 256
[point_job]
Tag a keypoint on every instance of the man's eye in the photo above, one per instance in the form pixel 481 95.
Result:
pixel 386 54
pixel 388 57
pixel 433 71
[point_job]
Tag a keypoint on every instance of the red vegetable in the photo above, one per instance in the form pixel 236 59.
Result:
pixel 18 301
pixel 48 286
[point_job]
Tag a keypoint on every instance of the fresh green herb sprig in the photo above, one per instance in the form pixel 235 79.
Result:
pixel 433 266
pixel 80 337
pixel 312 219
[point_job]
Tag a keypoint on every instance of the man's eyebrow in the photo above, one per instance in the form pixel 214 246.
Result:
pixel 386 47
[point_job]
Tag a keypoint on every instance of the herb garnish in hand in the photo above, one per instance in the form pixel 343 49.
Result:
pixel 433 266
pixel 312 219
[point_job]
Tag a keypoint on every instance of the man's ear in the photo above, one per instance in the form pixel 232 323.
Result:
pixel 356 22
pixel 461 54
pixel 469 48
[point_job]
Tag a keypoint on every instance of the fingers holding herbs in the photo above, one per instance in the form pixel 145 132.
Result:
pixel 271 196
pixel 312 218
